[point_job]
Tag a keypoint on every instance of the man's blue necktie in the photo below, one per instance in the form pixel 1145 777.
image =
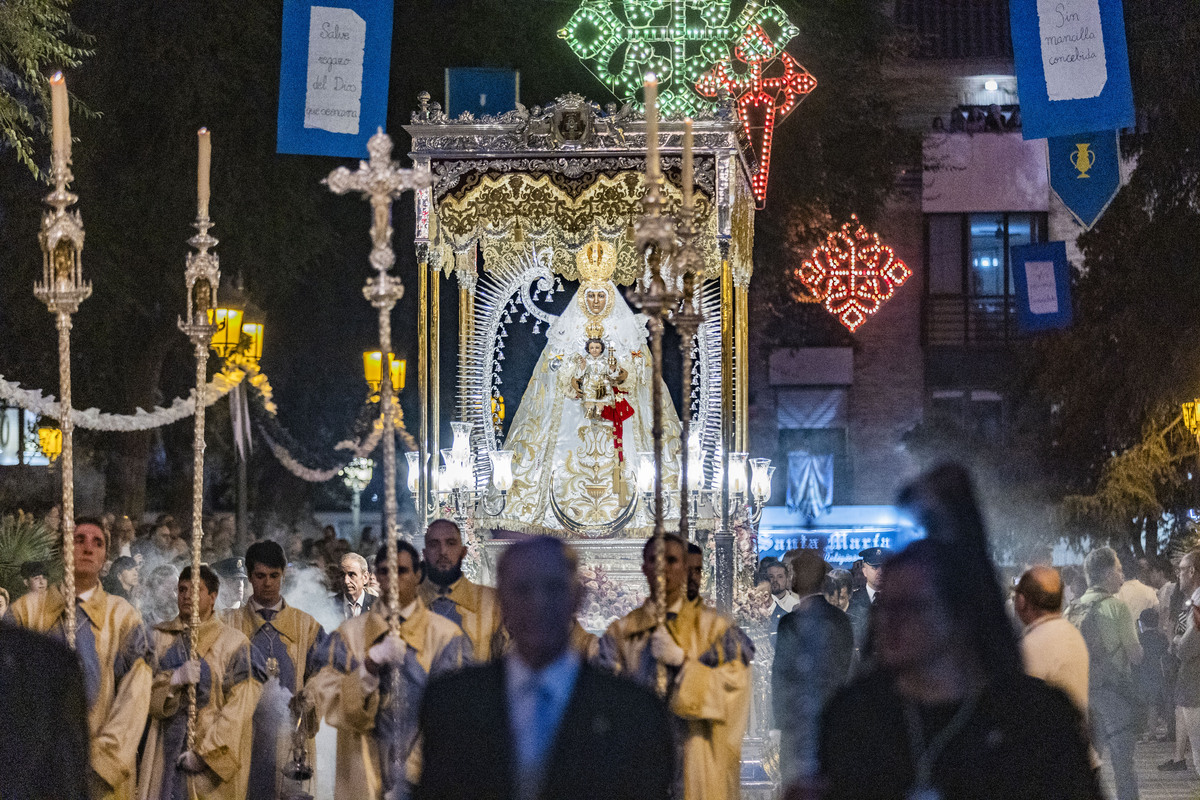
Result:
pixel 85 646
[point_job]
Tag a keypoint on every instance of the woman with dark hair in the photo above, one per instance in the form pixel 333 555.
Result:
pixel 946 710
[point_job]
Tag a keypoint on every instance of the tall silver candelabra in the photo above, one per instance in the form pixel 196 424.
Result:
pixel 62 289
pixel 203 276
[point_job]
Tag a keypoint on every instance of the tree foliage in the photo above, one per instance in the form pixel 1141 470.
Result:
pixel 23 538
pixel 36 37
pixel 1140 491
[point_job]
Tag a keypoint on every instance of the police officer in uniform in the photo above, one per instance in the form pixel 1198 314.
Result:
pixel 862 599
pixel 232 572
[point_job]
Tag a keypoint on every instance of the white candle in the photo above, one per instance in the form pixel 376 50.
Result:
pixel 687 163
pixel 652 166
pixel 202 170
pixel 59 124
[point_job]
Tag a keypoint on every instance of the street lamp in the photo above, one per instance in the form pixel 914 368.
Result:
pixel 50 440
pixel 227 335
pixel 252 341
pixel 373 370
pixel 357 476
pixel 1191 416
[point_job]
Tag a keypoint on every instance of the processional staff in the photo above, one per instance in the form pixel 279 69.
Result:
pixel 62 289
pixel 654 234
pixel 202 275
pixel 381 180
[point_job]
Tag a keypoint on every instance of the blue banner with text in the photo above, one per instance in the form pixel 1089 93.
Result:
pixel 333 76
pixel 1042 278
pixel 1072 66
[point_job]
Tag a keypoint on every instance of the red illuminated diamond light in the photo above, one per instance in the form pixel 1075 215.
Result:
pixel 853 273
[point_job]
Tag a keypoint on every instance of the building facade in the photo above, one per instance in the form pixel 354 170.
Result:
pixel 944 347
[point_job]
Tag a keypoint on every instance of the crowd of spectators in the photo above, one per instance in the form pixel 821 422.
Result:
pixel 145 561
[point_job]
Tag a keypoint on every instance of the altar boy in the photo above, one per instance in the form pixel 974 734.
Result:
pixel 707 661
pixel 218 765
pixel 283 642
pixel 370 684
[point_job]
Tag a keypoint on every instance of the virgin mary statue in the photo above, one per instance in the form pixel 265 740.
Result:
pixel 586 416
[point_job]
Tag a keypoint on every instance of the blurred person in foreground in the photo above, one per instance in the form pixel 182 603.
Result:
pixel 1114 705
pixel 812 661
pixel 283 643
pixel 946 710
pixel 370 683
pixel 707 660
pixel 113 649
pixel 941 716
pixel 41 681
pixel 218 766
pixel 541 723
pixel 446 591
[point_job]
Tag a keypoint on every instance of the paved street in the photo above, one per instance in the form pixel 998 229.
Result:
pixel 1157 785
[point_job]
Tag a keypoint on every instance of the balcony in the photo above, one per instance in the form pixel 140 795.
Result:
pixel 969 321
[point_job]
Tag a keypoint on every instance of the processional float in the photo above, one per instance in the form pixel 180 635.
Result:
pixel 514 201
pixel 519 207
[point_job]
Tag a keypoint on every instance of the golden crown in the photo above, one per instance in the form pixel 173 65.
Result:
pixel 594 329
pixel 597 261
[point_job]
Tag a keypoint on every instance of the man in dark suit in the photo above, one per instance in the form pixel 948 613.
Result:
pixel 353 600
pixel 43 716
pixel 813 652
pixel 541 724
pixel 862 599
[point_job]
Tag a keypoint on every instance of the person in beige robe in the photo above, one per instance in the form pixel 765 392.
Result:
pixel 707 660
pixel 283 643
pixel 370 685
pixel 218 766
pixel 446 591
pixel 113 651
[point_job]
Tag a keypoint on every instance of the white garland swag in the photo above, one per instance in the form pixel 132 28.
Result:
pixel 181 408
pixel 141 420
